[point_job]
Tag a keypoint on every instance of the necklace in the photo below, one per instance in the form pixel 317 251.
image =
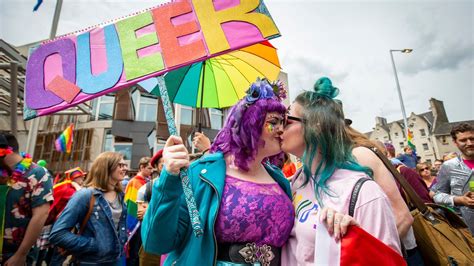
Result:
pixel 20 169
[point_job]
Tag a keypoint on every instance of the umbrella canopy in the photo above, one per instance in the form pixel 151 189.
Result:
pixel 225 78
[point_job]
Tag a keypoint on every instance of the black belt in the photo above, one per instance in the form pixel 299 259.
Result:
pixel 249 253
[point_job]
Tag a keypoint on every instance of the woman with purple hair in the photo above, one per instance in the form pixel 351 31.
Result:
pixel 243 199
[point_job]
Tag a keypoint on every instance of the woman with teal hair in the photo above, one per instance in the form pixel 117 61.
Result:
pixel 315 132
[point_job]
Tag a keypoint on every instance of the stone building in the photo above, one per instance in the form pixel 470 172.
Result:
pixel 431 132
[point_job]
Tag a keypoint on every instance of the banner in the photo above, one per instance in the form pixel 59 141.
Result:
pixel 75 68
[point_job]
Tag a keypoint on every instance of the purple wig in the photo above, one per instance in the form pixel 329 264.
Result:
pixel 241 133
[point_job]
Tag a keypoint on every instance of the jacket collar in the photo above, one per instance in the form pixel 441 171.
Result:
pixel 213 169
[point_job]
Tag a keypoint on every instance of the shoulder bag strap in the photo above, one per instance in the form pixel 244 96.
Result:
pixel 414 198
pixel 355 194
pixel 89 212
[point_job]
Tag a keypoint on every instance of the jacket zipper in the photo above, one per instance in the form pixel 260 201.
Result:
pixel 215 217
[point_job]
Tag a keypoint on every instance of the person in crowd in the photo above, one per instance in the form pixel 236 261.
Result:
pixel 126 179
pixel 145 171
pixel 424 170
pixel 62 193
pixel 384 178
pixel 412 177
pixel 25 198
pixel 244 202
pixel 452 187
pixel 143 199
pixel 450 155
pixel 201 142
pixel 408 158
pixel 315 131
pixel 437 165
pixel 104 236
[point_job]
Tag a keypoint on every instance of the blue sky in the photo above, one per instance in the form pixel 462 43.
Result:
pixel 347 41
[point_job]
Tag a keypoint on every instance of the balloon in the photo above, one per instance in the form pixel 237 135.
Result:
pixel 42 163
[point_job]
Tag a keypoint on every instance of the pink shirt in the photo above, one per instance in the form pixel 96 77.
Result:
pixel 372 211
pixel 469 163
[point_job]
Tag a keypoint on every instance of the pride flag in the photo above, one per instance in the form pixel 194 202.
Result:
pixel 410 140
pixel 64 141
pixel 131 193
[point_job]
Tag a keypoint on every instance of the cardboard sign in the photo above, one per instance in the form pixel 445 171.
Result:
pixel 79 67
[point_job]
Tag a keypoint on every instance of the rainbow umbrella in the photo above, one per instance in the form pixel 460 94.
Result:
pixel 222 80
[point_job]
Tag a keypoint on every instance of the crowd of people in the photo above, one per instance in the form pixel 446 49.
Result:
pixel 256 206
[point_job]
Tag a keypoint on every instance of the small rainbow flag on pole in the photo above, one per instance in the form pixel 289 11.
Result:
pixel 64 141
pixel 410 140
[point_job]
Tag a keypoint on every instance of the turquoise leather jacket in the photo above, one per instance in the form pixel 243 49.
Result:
pixel 166 225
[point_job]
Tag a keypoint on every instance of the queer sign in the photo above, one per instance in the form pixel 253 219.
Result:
pixel 79 67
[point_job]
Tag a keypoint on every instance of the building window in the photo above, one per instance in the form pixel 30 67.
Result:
pixel 425 146
pixel 402 145
pixel 110 144
pixel 108 141
pixel 125 148
pixel 216 118
pixel 186 115
pixel 428 161
pixel 103 107
pixel 422 132
pixel 396 134
pixel 145 106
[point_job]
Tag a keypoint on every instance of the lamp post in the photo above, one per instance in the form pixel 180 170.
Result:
pixel 405 121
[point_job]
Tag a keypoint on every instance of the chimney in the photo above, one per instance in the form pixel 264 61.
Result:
pixel 380 121
pixel 439 114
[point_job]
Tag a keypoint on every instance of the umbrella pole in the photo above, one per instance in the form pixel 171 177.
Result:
pixel 202 95
pixel 188 192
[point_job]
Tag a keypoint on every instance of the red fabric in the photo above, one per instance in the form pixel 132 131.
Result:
pixel 62 193
pixel 469 163
pixel 289 169
pixel 360 248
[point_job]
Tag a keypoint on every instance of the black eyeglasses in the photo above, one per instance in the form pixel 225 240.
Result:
pixel 122 165
pixel 294 118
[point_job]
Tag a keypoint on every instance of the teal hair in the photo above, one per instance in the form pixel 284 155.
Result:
pixel 324 133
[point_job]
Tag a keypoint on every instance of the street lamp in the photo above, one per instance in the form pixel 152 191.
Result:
pixel 405 51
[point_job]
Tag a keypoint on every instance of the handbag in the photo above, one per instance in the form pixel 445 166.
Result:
pixel 441 235
pixel 71 259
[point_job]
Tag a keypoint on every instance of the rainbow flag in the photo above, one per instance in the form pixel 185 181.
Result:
pixel 410 140
pixel 130 199
pixel 64 141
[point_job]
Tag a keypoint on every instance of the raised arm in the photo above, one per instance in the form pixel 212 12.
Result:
pixel 166 221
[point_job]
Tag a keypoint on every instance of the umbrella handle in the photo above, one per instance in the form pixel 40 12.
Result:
pixel 187 189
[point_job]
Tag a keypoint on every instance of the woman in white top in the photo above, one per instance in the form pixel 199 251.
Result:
pixel 315 132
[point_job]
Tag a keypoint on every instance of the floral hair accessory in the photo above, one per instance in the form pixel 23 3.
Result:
pixel 5 151
pixel 263 89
